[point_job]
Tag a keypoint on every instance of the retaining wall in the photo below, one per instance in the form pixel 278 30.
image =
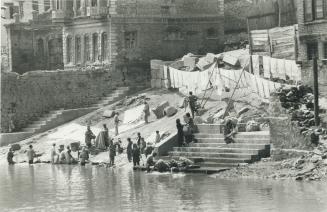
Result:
pixel 26 97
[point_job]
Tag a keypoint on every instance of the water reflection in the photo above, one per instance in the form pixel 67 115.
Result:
pixel 75 188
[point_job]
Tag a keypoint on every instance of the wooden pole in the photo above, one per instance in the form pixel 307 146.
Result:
pixel 250 45
pixel 316 90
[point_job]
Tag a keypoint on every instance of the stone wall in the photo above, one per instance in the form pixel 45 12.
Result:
pixel 28 96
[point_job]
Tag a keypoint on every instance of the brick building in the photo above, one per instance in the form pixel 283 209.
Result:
pixel 112 32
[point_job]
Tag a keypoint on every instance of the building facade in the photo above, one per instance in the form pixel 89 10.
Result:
pixel 312 20
pixel 118 33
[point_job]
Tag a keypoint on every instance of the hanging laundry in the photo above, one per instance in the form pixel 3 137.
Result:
pixel 256 65
pixel 273 67
pixel 281 69
pixel 289 69
pixel 266 88
pixel 260 86
pixel 266 66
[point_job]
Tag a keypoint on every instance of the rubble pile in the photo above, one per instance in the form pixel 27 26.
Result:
pixel 312 166
pixel 298 102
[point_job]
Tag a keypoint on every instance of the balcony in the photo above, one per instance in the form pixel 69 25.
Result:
pixel 61 16
pixel 97 12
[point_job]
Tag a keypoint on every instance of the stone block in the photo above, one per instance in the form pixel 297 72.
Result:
pixel 170 111
pixel 159 110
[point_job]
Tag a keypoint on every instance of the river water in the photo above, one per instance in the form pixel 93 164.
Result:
pixel 44 187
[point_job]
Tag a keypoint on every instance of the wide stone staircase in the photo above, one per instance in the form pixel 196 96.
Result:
pixel 212 154
pixel 57 117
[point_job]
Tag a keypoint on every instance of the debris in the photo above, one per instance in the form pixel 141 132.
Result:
pixel 15 147
pixel 108 113
pixel 252 126
pixel 243 110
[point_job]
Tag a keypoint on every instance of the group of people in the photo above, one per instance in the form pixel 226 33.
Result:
pixel 140 147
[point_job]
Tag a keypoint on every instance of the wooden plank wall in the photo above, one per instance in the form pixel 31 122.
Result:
pixel 279 42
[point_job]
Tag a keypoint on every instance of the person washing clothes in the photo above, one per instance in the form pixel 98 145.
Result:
pixel 129 149
pixel 89 136
pixel 30 154
pixel 136 155
pixel 150 161
pixel 10 156
pixel 53 154
pixel 84 156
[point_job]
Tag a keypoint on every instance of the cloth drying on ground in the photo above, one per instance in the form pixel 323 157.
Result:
pixel 133 115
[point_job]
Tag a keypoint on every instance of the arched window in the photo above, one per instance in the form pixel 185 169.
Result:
pixel 104 46
pixel 87 52
pixel 40 47
pixel 78 49
pixel 69 49
pixel 95 47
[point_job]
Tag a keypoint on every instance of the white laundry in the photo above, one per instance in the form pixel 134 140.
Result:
pixel 266 66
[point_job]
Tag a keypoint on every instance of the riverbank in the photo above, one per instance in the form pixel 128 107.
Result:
pixel 311 166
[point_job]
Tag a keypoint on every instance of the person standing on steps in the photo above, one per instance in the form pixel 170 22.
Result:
pixel 180 134
pixel 146 111
pixel 192 103
pixel 116 122
pixel 158 137
pixel 89 136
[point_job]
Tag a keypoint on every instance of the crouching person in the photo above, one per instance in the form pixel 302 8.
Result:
pixel 150 161
pixel 230 131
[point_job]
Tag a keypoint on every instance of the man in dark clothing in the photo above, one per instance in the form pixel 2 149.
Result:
pixel 139 139
pixel 129 149
pixel 192 103
pixel 10 157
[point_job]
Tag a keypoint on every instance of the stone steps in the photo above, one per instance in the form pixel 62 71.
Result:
pixel 237 140
pixel 215 150
pixel 212 153
pixel 235 145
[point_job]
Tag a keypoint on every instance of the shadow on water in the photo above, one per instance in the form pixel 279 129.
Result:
pixel 77 188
